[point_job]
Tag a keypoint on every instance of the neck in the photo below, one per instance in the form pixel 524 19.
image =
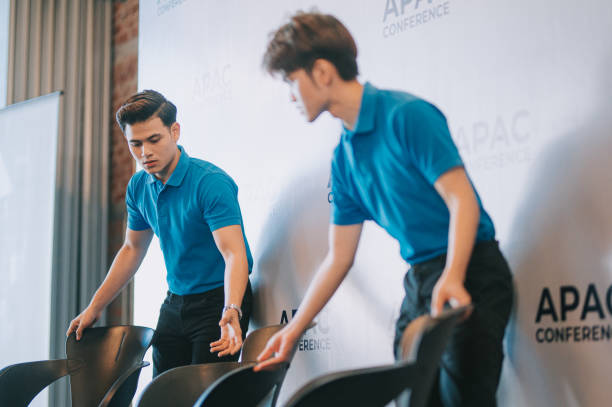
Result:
pixel 346 102
pixel 164 175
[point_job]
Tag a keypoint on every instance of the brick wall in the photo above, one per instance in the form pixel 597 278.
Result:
pixel 125 83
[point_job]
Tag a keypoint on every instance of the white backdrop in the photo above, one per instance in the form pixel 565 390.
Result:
pixel 28 143
pixel 525 87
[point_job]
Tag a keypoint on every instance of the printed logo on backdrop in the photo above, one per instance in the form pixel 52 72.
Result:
pixel 315 339
pixel 163 6
pixel 573 314
pixel 505 141
pixel 214 86
pixel 401 16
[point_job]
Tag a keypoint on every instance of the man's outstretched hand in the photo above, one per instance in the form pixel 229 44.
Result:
pixel 278 350
pixel 230 341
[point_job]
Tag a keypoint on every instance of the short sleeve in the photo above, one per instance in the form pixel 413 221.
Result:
pixel 344 208
pixel 135 219
pixel 428 139
pixel 219 198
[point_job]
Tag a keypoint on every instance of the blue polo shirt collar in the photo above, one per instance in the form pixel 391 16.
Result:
pixel 367 112
pixel 179 172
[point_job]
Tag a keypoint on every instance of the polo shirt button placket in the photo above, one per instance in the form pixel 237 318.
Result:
pixel 161 212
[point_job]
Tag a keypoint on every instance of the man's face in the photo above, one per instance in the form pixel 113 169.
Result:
pixel 309 97
pixel 153 145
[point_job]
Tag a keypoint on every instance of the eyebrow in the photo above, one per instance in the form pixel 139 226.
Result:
pixel 147 139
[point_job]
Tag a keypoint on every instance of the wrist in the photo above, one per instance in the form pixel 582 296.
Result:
pixel 233 308
pixel 95 307
pixel 453 273
pixel 295 329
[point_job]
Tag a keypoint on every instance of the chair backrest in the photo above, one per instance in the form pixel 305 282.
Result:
pixel 256 341
pixel 181 386
pixel 423 343
pixel 107 353
pixel 412 337
pixel 242 387
pixel 20 383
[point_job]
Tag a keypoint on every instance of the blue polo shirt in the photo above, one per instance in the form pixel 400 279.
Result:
pixel 384 170
pixel 197 199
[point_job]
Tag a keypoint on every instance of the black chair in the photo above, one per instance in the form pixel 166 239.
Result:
pixel 423 342
pixel 20 383
pixel 103 366
pixel 181 386
pixel 112 359
pixel 242 387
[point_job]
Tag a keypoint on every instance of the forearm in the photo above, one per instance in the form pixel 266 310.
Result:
pixel 123 268
pixel 236 278
pixel 327 279
pixel 463 226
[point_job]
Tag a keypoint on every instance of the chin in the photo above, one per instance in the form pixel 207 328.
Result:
pixel 312 118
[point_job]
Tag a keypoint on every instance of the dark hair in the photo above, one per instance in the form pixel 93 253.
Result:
pixel 144 105
pixel 308 37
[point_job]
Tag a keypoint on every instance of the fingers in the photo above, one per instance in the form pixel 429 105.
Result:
pixel 237 345
pixel 268 350
pixel 218 345
pixel 457 297
pixel 272 362
pixel 231 338
pixel 279 349
pixel 226 346
pixel 233 345
pixel 437 302
pixel 79 331
pixel 466 299
pixel 73 326
pixel 83 322
pixel 268 364
pixel 222 343
pixel 218 342
pixel 462 301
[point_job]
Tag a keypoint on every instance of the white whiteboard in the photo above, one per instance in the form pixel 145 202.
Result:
pixel 28 140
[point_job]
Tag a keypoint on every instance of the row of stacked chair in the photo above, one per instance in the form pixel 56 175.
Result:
pixel 105 364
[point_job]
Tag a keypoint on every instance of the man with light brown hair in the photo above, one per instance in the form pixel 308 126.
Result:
pixel 397 165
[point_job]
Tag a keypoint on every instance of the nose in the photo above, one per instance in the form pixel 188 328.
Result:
pixel 144 151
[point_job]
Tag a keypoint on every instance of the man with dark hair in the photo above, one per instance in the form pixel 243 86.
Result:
pixel 397 165
pixel 192 207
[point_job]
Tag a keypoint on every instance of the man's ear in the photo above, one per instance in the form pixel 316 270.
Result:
pixel 323 72
pixel 175 131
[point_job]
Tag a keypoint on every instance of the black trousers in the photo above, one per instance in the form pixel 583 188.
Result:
pixel 188 324
pixel 471 365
